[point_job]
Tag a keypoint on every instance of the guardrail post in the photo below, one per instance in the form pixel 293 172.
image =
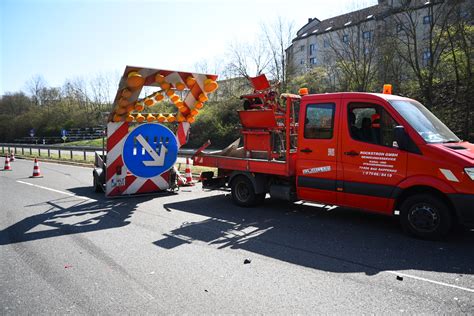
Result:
pixel 31 153
pixel 59 153
pixel 84 155
pixel 39 152
pixel 23 151
pixel 49 153
pixel 14 149
pixel 71 154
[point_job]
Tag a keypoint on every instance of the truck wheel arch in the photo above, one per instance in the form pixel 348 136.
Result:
pixel 258 180
pixel 403 194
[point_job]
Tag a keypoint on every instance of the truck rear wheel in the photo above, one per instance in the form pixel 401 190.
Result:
pixel 425 216
pixel 243 192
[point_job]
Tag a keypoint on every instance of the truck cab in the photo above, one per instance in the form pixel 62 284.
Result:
pixel 385 154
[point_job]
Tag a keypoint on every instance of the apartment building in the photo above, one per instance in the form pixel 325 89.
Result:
pixel 357 33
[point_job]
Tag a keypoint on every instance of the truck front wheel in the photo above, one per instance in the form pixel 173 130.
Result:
pixel 425 216
pixel 243 192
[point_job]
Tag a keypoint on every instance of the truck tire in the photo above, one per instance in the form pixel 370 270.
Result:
pixel 426 216
pixel 243 192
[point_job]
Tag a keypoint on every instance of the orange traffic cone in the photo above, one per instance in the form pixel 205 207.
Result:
pixel 7 164
pixel 36 170
pixel 12 156
pixel 189 176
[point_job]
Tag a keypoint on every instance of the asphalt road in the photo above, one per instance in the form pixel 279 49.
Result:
pixel 65 249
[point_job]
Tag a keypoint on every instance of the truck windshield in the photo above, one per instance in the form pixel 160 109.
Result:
pixel 424 122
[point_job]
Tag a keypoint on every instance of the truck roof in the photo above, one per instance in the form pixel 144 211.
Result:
pixel 351 95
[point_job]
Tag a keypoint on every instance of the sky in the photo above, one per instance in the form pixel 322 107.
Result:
pixel 67 39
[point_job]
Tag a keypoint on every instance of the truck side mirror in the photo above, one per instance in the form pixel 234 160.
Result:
pixel 401 137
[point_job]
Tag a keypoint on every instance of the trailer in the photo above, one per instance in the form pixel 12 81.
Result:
pixel 143 143
pixel 377 152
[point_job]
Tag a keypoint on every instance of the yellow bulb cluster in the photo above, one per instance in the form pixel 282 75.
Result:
pixel 150 117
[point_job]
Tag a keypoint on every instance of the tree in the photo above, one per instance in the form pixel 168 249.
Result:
pixel 419 41
pixel 457 63
pixel 278 37
pixel 353 49
pixel 248 60
pixel 35 87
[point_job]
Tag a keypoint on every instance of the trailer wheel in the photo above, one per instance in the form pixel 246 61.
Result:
pixel 243 192
pixel 97 186
pixel 426 216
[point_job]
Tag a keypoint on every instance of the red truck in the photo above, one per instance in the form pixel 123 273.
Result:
pixel 376 152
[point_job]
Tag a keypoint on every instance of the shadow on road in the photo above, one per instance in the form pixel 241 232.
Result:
pixel 340 240
pixel 71 215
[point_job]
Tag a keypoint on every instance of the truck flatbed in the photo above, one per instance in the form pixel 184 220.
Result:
pixel 255 165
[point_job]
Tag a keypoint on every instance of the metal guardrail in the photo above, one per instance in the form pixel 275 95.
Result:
pixel 64 152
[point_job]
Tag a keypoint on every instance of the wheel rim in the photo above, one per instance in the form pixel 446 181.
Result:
pixel 424 217
pixel 242 191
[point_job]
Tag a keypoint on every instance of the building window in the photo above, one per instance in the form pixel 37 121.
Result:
pixel 426 56
pixel 319 123
pixel 427 19
pixel 367 35
pixel 301 62
pixel 312 61
pixel 301 48
pixel 312 49
pixel 345 38
pixel 326 43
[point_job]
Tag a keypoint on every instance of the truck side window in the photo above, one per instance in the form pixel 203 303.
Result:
pixel 319 122
pixel 370 123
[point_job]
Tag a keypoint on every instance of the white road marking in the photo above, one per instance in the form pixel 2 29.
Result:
pixel 57 191
pixel 431 281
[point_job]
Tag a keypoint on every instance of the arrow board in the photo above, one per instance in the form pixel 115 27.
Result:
pixel 150 150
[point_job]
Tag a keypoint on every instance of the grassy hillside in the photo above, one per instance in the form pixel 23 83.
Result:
pixel 89 142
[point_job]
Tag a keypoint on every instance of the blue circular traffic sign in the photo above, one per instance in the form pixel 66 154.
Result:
pixel 150 150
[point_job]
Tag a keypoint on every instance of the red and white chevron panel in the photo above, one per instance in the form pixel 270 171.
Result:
pixel 121 182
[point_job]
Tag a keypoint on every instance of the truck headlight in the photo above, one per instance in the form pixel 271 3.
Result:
pixel 470 172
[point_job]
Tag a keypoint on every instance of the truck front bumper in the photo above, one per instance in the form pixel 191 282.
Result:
pixel 464 205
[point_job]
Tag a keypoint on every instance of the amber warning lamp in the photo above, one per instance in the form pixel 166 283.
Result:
pixel 303 91
pixel 387 89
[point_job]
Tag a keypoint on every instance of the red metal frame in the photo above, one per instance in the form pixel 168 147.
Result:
pixel 257 137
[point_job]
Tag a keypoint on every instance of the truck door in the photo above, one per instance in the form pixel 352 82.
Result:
pixel 372 165
pixel 317 142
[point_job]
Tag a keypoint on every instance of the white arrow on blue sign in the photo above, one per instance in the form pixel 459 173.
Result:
pixel 150 150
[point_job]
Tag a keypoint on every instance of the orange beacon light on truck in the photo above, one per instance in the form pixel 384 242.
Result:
pixel 303 91
pixel 387 89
